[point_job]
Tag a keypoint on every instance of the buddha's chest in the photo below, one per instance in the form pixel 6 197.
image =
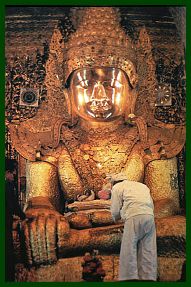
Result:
pixel 103 156
pixel 96 154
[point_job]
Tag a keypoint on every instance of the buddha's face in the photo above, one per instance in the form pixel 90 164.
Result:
pixel 99 94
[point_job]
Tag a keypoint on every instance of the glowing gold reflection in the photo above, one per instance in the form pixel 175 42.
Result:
pixel 99 93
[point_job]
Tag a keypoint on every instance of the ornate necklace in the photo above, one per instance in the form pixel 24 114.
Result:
pixel 98 151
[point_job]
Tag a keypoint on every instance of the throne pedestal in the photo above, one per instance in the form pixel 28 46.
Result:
pixel 170 246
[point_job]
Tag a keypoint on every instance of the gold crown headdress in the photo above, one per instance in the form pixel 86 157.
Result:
pixel 100 41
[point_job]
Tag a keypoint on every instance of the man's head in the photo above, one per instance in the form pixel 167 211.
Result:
pixel 10 169
pixel 117 177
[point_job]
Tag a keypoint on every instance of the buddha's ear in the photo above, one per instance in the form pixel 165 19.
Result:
pixel 68 101
pixel 134 94
pixel 130 107
pixel 70 110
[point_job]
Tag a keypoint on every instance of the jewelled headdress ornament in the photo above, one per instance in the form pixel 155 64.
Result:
pixel 100 41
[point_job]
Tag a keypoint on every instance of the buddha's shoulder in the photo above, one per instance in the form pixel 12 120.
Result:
pixel 164 141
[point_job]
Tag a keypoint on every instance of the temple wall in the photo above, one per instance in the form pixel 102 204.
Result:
pixel 31 27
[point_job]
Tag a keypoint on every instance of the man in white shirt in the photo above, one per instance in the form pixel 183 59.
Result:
pixel 131 201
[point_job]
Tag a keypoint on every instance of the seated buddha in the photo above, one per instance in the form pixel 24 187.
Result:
pixel 102 131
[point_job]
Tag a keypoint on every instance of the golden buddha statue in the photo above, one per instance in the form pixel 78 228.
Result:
pixel 99 119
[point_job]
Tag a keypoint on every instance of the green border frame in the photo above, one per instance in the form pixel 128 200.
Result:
pixel 186 3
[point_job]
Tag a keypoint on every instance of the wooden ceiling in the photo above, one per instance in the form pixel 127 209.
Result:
pixel 30 27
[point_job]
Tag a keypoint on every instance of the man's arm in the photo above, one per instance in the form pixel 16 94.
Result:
pixel 116 203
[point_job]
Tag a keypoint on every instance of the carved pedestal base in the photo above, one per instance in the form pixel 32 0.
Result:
pixel 70 270
pixel 171 255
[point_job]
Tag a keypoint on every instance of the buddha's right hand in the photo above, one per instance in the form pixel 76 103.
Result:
pixel 41 230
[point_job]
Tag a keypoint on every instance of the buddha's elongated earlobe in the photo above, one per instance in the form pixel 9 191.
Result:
pixel 68 102
pixel 130 107
pixel 72 115
pixel 134 95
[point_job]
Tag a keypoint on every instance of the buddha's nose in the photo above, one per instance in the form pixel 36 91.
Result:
pixel 99 92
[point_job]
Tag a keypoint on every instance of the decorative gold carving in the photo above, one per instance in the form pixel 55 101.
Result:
pixel 100 41
pixel 164 142
pixel 44 128
pixel 21 144
pixel 94 156
pixel 147 78
pixel 24 75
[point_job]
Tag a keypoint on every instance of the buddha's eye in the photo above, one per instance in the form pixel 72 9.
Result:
pixel 112 84
pixel 107 84
pixel 84 84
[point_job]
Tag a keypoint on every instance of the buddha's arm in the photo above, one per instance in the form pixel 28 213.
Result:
pixel 43 226
pixel 134 167
pixel 43 218
pixel 161 177
pixel 42 185
pixel 69 177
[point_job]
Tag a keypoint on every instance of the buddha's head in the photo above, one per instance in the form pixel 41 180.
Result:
pixel 100 67
pixel 99 94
